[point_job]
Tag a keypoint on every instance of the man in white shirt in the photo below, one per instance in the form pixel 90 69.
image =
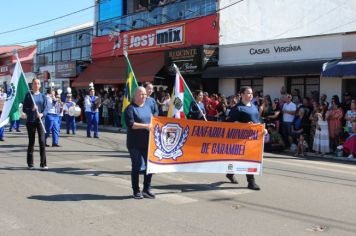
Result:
pixel 289 110
pixel 92 104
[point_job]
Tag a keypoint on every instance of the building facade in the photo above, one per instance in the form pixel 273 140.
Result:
pixel 149 36
pixel 273 44
pixel 61 57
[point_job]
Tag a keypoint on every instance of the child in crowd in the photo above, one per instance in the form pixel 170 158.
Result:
pixel 302 145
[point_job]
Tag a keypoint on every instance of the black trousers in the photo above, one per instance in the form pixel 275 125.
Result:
pixel 31 130
pixel 137 156
pixel 250 178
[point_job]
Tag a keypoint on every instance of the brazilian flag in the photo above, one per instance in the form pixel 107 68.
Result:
pixel 131 85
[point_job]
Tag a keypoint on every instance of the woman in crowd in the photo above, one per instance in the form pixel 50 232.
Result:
pixel 275 116
pixel 321 137
pixel 105 105
pixel 334 117
pixel 138 122
pixel 221 108
pixel 267 108
pixel 197 109
pixel 165 104
pixel 313 119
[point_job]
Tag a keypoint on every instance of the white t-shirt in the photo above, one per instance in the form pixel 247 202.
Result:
pixel 288 107
pixel 165 106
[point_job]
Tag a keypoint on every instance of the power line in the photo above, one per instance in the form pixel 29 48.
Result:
pixel 44 22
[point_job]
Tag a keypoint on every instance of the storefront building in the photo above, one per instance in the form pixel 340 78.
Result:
pixel 8 60
pixel 62 57
pixel 148 45
pixel 294 63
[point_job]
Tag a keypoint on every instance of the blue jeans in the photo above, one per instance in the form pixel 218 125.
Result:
pixel 70 123
pixel 92 120
pixel 286 131
pixel 14 124
pixel 2 131
pixel 52 124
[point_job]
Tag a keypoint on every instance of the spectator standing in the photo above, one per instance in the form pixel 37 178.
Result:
pixel 334 117
pixel 321 138
pixel 289 110
pixel 350 118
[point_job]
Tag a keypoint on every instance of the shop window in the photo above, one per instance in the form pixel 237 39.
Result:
pixel 75 54
pixel 305 86
pixel 66 55
pixel 256 84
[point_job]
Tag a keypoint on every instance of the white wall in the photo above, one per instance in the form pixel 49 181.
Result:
pixel 227 86
pixel 331 86
pixel 272 86
pixel 258 20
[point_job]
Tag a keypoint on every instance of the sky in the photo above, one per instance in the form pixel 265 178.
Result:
pixel 20 13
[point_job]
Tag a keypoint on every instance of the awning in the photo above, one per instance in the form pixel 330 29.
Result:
pixel 266 70
pixel 339 68
pixel 113 70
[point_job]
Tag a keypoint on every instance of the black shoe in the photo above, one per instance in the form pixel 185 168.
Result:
pixel 55 145
pixel 88 136
pixel 148 194
pixel 1 139
pixel 253 186
pixel 67 132
pixel 137 195
pixel 30 167
pixel 18 131
pixel 96 136
pixel 47 145
pixel 232 178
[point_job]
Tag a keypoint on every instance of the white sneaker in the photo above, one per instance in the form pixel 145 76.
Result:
pixel 350 156
pixel 30 167
pixel 44 168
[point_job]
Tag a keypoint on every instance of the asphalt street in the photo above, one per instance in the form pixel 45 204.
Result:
pixel 87 191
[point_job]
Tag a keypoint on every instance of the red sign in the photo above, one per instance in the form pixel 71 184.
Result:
pixel 198 31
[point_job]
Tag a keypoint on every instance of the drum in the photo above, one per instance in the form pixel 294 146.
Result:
pixel 74 111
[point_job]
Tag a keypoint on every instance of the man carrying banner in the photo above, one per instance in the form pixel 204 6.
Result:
pixel 245 112
pixel 35 108
pixel 138 122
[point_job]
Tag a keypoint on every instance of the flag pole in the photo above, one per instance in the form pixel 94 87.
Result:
pixel 28 88
pixel 177 70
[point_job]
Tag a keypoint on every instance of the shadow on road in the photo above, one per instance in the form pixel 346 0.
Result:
pixel 76 197
pixel 198 187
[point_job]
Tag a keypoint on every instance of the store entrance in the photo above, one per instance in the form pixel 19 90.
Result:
pixel 349 85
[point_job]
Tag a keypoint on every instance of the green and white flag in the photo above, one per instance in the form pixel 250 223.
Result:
pixel 16 94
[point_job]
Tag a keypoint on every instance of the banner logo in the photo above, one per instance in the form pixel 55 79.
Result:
pixel 11 93
pixel 170 141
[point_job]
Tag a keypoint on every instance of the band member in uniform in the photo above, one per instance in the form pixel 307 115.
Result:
pixel 138 121
pixel 245 112
pixel 60 111
pixel 70 119
pixel 15 121
pixel 52 125
pixel 34 113
pixel 2 101
pixel 92 104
